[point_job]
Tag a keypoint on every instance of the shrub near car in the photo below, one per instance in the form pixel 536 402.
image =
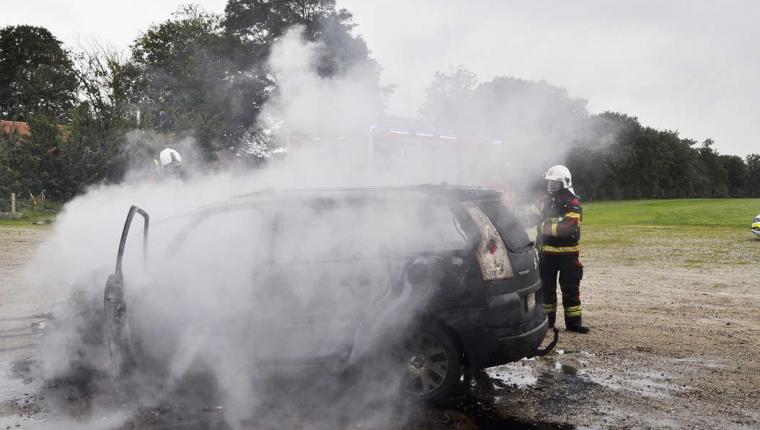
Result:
pixel 444 277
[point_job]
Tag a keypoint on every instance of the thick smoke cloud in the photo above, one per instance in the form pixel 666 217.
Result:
pixel 204 304
pixel 208 307
pixel 678 65
pixel 322 121
pixel 308 103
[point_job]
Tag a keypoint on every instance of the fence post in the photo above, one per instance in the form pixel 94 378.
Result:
pixel 13 203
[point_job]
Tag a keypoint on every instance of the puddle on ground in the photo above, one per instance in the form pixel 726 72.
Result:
pixel 646 383
pixel 700 361
pixel 529 373
pixel 553 374
pixel 519 374
pixel 19 403
pixel 472 413
pixel 15 381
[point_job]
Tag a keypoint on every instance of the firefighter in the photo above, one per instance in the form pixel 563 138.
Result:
pixel 171 163
pixel 560 230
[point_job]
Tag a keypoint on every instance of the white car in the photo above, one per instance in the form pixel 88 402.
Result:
pixel 756 226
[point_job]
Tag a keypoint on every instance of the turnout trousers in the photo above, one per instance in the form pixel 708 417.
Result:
pixel 570 271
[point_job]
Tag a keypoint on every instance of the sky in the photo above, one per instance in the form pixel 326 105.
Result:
pixel 686 65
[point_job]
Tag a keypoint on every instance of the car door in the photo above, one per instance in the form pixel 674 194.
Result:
pixel 327 268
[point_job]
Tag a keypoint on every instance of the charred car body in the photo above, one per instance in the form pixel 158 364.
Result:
pixel 444 277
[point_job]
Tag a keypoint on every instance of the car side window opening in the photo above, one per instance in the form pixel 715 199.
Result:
pixel 223 245
pixel 310 235
pixel 352 232
pixel 425 227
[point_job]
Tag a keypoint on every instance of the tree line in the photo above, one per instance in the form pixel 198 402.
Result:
pixel 611 155
pixel 94 112
pixel 642 162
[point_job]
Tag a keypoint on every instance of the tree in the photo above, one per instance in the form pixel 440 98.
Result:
pixel 713 170
pixel 506 108
pixel 632 161
pixel 31 160
pixel 176 59
pixel 187 83
pixel 61 161
pixel 36 75
pixel 527 111
pixel 611 155
pixel 536 122
pixel 737 175
pixel 448 97
pixel 208 74
pixel 107 82
pixel 254 25
pixel 9 150
pixel 753 175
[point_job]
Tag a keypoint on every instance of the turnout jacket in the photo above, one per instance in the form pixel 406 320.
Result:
pixel 561 215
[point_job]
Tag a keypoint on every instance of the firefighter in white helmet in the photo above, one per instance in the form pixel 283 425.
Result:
pixel 560 232
pixel 171 163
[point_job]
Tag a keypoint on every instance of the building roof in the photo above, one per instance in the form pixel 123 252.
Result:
pixel 19 127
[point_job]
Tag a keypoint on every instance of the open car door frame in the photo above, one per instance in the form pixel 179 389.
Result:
pixel 115 309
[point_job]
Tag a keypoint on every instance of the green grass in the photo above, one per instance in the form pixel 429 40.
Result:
pixel 30 217
pixel 736 213
pixel 688 233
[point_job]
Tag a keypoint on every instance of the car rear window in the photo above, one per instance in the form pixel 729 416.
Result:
pixel 510 228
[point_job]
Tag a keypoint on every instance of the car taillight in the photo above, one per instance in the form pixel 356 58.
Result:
pixel 492 253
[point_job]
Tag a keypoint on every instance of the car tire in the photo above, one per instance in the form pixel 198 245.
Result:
pixel 432 365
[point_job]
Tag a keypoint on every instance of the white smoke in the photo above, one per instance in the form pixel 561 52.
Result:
pixel 204 303
pixel 194 308
pixel 308 103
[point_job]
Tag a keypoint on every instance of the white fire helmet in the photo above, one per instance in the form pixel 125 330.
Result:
pixel 169 156
pixel 559 177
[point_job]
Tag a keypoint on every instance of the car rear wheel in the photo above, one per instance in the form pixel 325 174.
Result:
pixel 432 364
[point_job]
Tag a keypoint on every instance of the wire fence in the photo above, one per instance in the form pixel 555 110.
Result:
pixel 26 203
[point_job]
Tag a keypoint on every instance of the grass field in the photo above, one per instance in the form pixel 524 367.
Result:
pixel 30 218
pixel 737 213
pixel 689 233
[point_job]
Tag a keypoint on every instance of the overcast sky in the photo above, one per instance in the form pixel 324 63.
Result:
pixel 688 65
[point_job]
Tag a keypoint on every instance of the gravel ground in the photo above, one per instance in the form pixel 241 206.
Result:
pixel 674 343
pixel 675 340
pixel 20 308
pixel 19 304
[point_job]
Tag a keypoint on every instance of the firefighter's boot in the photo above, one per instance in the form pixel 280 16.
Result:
pixel 576 324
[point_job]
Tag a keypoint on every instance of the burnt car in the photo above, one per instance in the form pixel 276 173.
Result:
pixel 444 277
